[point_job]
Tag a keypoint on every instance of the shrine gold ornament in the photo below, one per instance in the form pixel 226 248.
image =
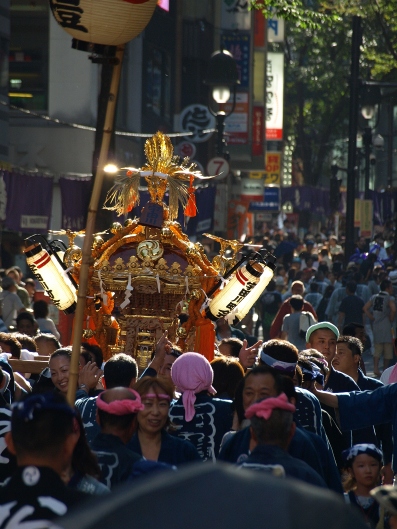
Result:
pixel 147 273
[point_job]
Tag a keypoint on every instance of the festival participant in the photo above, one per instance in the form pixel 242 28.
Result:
pixel 43 436
pixel 41 314
pixel 359 409
pixel 268 305
pixel 117 409
pixel 351 307
pixel 381 310
pixel 84 472
pixel 347 360
pixel 169 359
pixel 120 370
pixel 363 463
pixel 11 305
pixel 262 382
pixel 151 439
pixel 297 289
pixel 290 329
pixel 282 356
pixel 46 344
pixel 228 373
pixel 314 370
pixel 94 352
pixel 163 349
pixel 197 415
pixel 323 336
pixel 26 324
pixel 246 355
pixel 272 428
pixel 59 365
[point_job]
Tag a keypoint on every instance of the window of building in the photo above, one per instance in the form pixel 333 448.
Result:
pixel 28 54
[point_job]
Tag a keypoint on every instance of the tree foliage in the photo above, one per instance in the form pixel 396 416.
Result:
pixel 317 69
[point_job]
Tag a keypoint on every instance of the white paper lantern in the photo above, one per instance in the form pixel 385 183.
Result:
pixel 106 22
pixel 54 281
pixel 244 281
pixel 245 305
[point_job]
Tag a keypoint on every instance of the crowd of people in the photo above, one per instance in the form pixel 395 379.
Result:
pixel 287 395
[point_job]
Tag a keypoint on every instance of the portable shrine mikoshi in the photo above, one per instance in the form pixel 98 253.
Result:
pixel 149 277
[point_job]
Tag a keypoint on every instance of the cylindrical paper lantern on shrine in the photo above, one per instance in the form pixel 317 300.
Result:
pixel 54 281
pixel 106 22
pixel 245 305
pixel 245 280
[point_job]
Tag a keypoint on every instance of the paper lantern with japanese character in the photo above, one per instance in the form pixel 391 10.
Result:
pixel 106 22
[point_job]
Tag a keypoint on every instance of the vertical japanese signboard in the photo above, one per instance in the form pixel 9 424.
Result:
pixel 236 125
pixel 274 96
pixel 258 130
pixel 239 47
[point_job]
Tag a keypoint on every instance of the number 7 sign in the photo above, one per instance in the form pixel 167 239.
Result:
pixel 218 166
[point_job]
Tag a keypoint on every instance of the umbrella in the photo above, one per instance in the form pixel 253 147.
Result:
pixel 217 496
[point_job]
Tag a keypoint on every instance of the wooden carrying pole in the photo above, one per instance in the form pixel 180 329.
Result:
pixel 90 226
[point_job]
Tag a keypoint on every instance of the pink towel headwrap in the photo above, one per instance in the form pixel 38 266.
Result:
pixel 192 373
pixel 265 407
pixel 121 407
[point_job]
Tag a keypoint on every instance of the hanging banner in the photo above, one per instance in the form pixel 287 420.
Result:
pixel 204 220
pixel 366 213
pixel 258 129
pixel 29 202
pixel 274 96
pixel 357 212
pixel 235 14
pixel 75 197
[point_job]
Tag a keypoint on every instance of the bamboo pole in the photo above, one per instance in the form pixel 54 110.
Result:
pixel 90 225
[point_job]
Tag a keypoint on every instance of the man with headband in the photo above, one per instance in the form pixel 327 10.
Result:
pixel 272 428
pixel 116 416
pixel 263 381
pixel 283 357
pixel 120 370
pixel 44 433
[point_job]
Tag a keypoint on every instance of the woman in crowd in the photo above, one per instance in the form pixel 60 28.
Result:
pixel 197 415
pixel 228 372
pixel 59 366
pixel 152 439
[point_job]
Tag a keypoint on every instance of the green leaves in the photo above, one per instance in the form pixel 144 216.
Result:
pixel 296 11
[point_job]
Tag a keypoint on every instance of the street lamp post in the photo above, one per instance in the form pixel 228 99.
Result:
pixel 222 76
pixel 367 142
